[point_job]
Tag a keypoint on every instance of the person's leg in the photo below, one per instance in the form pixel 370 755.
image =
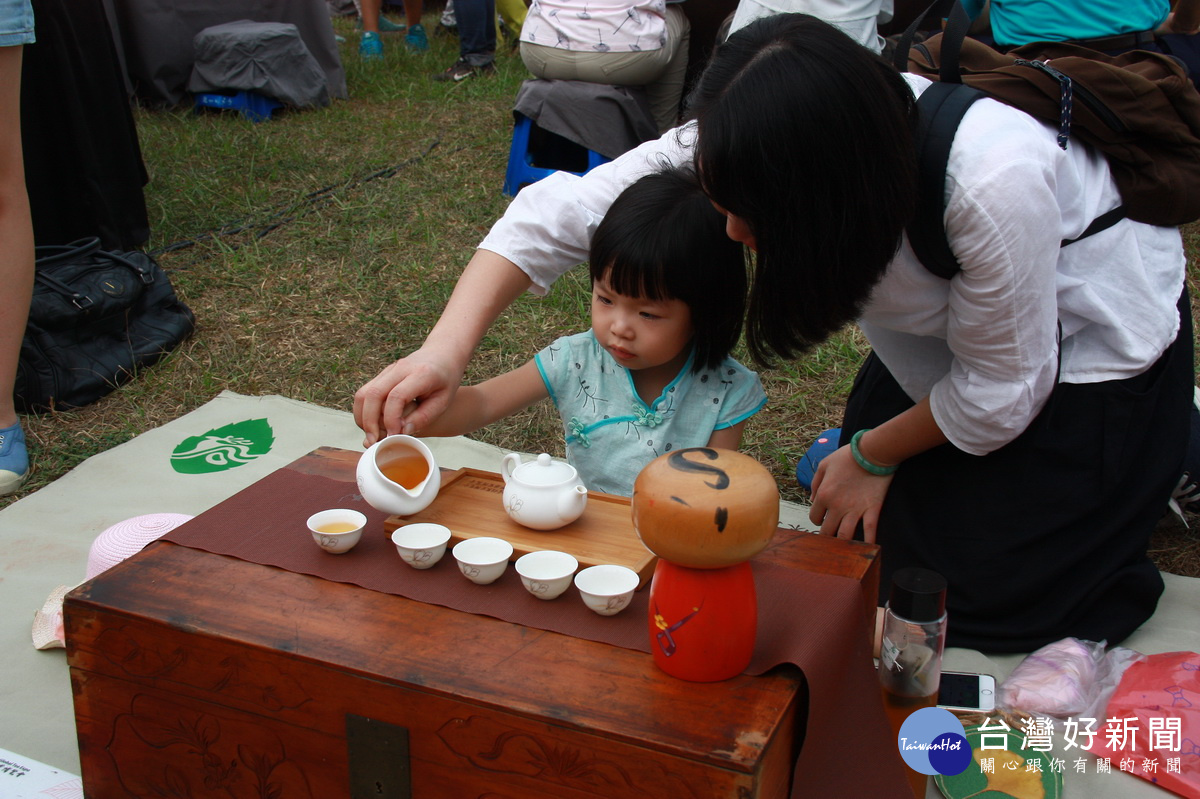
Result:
pixel 415 39
pixel 16 267
pixel 385 24
pixel 369 11
pixel 370 47
pixel 448 24
pixel 550 63
pixel 477 40
pixel 476 31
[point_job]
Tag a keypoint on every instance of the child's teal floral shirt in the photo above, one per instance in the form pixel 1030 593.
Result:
pixel 612 434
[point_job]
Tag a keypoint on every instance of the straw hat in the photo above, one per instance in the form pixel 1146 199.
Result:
pixel 110 548
pixel 129 538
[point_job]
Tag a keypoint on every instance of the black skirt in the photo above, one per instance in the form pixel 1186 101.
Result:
pixel 1046 537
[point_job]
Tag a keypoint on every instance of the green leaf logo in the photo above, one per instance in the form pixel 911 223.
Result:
pixel 224 447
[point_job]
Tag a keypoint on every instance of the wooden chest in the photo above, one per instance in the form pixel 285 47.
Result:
pixel 201 675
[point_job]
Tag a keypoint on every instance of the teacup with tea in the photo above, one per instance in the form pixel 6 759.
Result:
pixel 337 530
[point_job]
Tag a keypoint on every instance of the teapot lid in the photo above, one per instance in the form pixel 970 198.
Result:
pixel 544 471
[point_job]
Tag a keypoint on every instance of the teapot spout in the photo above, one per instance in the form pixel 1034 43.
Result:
pixel 571 503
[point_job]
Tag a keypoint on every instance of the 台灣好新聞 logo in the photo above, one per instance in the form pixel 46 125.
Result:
pixel 932 741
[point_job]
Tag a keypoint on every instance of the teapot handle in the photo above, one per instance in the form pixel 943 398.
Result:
pixel 511 461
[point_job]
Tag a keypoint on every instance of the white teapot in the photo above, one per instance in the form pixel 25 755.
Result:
pixel 398 475
pixel 544 494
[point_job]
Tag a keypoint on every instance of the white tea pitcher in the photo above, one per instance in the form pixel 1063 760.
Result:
pixel 398 475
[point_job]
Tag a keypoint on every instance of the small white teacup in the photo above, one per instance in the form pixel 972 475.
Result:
pixel 422 544
pixel 337 530
pixel 546 573
pixel 607 589
pixel 483 559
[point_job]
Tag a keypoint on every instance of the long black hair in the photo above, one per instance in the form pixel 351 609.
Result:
pixel 662 239
pixel 806 136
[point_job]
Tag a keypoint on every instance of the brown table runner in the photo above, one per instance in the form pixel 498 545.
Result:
pixel 812 620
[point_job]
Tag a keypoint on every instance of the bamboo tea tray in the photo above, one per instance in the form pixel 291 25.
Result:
pixel 470 504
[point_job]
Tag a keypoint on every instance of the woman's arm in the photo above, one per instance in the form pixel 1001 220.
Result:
pixel 477 406
pixel 544 232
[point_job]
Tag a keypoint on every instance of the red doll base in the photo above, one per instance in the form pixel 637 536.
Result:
pixel 702 621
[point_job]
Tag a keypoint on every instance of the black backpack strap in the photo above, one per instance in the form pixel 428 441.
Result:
pixel 1102 222
pixel 953 36
pixel 905 40
pixel 939 110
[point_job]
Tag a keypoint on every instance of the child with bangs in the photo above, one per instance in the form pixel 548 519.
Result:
pixel 653 374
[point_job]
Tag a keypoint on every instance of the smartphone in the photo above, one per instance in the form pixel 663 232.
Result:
pixel 962 691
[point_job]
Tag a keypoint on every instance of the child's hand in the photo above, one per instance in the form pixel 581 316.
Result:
pixel 844 495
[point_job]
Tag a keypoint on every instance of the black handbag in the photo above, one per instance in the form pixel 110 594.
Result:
pixel 95 319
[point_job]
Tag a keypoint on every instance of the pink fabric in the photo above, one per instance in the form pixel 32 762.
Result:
pixel 815 621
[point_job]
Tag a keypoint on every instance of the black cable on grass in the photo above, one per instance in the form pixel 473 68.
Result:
pixel 307 205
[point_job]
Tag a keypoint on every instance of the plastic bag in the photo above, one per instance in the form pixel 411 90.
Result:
pixel 1151 725
pixel 1066 678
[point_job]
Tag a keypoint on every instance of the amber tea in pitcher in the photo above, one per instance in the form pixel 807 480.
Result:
pixel 408 469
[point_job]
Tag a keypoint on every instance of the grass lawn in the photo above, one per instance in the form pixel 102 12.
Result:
pixel 320 246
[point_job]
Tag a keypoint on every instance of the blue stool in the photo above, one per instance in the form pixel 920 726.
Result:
pixel 252 105
pixel 536 153
pixel 806 467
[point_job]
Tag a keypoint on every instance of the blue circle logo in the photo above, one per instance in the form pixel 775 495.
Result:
pixel 932 741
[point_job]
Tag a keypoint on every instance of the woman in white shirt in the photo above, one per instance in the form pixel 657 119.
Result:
pixel 618 42
pixel 1025 421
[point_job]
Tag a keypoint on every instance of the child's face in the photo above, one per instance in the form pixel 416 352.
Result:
pixel 638 332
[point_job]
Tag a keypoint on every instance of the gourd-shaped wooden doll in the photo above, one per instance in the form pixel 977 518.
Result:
pixel 705 512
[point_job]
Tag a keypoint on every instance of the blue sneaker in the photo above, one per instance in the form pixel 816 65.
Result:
pixel 416 40
pixel 806 469
pixel 386 25
pixel 370 47
pixel 14 459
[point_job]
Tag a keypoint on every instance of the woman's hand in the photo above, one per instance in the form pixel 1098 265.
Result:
pixel 406 396
pixel 844 494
